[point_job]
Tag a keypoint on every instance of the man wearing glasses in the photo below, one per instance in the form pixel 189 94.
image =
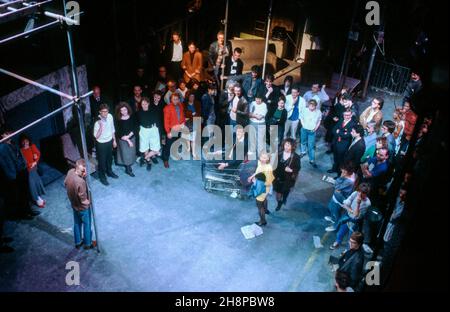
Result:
pixel 104 133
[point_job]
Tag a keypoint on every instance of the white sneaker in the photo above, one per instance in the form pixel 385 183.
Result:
pixel 367 249
pixel 329 219
pixel 234 195
pixel 330 229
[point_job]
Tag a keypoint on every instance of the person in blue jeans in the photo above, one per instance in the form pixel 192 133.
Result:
pixel 343 188
pixel 310 119
pixel 82 225
pixel 356 207
pixel 77 192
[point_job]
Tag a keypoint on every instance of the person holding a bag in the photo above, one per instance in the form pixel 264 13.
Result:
pixel 286 172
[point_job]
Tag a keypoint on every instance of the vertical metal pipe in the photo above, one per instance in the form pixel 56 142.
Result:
pixel 81 121
pixel 347 46
pixel 369 70
pixel 266 46
pixel 225 35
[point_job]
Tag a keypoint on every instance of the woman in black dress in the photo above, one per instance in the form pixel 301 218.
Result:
pixel 286 172
pixel 125 128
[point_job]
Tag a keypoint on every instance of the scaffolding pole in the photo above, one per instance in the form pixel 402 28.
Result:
pixel 225 35
pixel 8 137
pixel 74 100
pixel 266 46
pixel 37 84
pixel 81 123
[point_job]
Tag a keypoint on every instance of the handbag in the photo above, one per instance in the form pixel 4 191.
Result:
pixel 291 175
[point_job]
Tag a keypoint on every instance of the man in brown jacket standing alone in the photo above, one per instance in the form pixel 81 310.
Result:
pixel 77 192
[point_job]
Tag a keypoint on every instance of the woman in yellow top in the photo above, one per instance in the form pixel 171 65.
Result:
pixel 265 168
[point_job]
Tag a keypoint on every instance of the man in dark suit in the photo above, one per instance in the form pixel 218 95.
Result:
pixel 173 54
pixel 342 139
pixel 95 100
pixel 357 148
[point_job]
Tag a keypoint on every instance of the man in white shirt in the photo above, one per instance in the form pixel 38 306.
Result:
pixel 295 104
pixel 257 114
pixel 310 119
pixel 175 56
pixel 105 141
pixel 172 88
pixel 317 94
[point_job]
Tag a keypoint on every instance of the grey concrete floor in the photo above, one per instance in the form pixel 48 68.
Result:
pixel 160 231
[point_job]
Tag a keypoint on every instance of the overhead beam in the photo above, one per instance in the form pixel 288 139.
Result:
pixel 37 84
pixel 27 33
pixel 20 12
pixel 56 111
pixel 7 3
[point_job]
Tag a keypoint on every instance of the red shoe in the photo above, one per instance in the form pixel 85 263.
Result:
pixel 42 205
pixel 166 164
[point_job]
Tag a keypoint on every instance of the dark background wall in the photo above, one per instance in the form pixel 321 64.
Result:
pixel 111 32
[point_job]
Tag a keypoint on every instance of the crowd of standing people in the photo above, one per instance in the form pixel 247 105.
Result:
pixel 367 148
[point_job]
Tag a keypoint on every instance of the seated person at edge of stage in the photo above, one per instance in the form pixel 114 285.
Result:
pixel 238 153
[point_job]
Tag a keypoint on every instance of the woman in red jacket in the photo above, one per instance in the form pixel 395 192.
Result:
pixel 31 154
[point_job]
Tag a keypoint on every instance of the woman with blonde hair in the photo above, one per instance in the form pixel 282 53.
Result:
pixel 266 169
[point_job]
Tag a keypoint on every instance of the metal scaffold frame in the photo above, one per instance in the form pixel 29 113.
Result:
pixel 26 8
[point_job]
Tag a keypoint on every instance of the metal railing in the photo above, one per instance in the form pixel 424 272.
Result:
pixel 389 77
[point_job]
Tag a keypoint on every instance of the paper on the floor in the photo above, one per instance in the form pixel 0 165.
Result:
pixel 66 231
pixel 251 231
pixel 317 243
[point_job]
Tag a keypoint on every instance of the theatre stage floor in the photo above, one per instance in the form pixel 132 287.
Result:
pixel 160 231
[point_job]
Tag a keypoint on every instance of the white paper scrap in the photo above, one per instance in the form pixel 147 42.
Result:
pixel 317 243
pixel 251 231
